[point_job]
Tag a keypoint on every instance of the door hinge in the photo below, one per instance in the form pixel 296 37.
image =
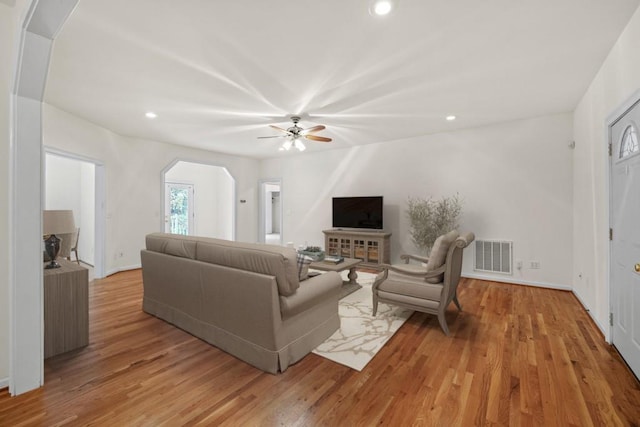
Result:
pixel 610 319
pixel 611 234
pixel 610 150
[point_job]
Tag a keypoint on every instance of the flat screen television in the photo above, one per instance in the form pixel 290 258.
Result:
pixel 357 212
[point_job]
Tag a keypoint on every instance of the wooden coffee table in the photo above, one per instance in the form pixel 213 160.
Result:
pixel 348 264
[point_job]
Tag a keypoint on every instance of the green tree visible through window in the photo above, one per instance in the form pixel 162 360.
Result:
pixel 179 211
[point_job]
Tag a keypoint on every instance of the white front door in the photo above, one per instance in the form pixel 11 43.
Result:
pixel 179 216
pixel 625 242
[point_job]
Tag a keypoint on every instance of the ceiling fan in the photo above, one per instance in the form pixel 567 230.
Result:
pixel 295 133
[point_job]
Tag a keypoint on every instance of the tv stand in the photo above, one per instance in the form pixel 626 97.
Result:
pixel 371 246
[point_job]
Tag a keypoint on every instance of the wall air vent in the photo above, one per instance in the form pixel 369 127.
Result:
pixel 494 256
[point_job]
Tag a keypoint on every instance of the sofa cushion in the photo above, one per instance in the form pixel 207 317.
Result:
pixel 273 260
pixel 303 263
pixel 172 244
pixel 438 254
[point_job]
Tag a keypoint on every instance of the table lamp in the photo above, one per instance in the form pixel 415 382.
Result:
pixel 56 222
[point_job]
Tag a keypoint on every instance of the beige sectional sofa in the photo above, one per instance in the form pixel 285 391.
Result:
pixel 245 299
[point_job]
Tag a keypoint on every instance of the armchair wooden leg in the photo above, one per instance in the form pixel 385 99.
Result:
pixel 375 305
pixel 443 323
pixel 457 303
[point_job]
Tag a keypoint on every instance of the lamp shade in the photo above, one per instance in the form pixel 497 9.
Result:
pixel 58 222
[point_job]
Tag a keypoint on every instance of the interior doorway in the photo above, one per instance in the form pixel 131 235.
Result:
pixel 198 200
pixel 77 183
pixel 270 227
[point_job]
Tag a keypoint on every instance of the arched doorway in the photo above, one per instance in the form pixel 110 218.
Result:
pixel 198 199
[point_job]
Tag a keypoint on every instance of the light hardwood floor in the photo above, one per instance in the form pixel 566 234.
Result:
pixel 518 356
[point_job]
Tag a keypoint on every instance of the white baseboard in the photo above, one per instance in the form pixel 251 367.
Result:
pixel 4 383
pixel 121 269
pixel 515 281
pixel 605 331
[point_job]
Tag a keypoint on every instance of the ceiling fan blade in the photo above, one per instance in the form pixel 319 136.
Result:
pixel 280 129
pixel 318 138
pixel 313 129
pixel 275 136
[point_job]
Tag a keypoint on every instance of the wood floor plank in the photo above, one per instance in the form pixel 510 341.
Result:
pixel 517 356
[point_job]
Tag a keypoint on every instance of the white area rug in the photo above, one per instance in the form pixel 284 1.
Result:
pixel 361 335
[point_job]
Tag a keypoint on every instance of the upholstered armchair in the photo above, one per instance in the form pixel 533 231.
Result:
pixel 427 288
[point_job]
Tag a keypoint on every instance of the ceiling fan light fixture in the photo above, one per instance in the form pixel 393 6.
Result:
pixel 295 134
pixel 380 7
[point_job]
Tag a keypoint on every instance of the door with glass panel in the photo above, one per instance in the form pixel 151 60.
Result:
pixel 625 236
pixel 179 217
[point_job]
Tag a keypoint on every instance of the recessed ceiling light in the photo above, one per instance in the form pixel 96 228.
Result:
pixel 450 118
pixel 151 115
pixel 381 7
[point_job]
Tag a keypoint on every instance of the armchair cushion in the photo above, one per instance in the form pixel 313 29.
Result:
pixel 438 253
pixel 411 286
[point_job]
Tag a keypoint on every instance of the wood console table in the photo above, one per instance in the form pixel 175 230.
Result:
pixel 372 247
pixel 66 308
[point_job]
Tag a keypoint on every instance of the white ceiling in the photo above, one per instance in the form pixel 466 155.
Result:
pixel 217 73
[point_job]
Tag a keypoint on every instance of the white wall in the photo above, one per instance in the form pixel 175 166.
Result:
pixel 515 180
pixel 617 80
pixel 10 21
pixel 213 198
pixel 133 181
pixel 87 220
pixel 62 183
pixel 225 222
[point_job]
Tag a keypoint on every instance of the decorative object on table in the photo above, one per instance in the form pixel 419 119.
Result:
pixel 431 218
pixel 314 252
pixel 56 222
pixel 334 259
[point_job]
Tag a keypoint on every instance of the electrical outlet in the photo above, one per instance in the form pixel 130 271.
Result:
pixel 519 264
pixel 121 254
pixel 534 265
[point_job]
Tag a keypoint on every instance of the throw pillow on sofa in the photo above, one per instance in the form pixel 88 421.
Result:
pixel 303 266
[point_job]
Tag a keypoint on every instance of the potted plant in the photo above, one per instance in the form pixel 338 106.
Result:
pixel 314 252
pixel 431 218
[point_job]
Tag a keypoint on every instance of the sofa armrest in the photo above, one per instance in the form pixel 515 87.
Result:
pixel 310 292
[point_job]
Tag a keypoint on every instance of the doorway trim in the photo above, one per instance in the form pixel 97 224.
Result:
pixel 612 118
pixel 100 203
pixel 41 24
pixel 262 205
pixel 163 172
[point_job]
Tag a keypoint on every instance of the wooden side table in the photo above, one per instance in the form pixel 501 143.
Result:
pixel 348 264
pixel 66 308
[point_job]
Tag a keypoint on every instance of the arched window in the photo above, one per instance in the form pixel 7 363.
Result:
pixel 629 142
